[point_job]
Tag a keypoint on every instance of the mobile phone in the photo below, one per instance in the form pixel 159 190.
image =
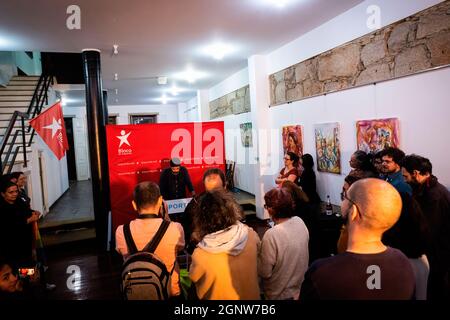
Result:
pixel 26 272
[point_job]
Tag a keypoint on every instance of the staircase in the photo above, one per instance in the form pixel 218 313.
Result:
pixel 22 99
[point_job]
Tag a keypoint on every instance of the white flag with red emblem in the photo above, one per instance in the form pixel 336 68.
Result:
pixel 50 127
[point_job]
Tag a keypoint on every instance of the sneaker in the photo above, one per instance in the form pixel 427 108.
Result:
pixel 50 286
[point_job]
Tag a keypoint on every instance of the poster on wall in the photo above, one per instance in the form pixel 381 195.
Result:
pixel 246 134
pixel 375 135
pixel 141 152
pixel 293 139
pixel 328 147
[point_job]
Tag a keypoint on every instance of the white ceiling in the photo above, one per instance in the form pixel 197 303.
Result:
pixel 160 37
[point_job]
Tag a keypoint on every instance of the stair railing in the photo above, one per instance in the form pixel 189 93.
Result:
pixel 40 96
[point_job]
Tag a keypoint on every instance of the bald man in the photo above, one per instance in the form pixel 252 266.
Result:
pixel 368 270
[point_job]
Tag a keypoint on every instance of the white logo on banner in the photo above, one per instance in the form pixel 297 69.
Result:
pixel 124 140
pixel 178 205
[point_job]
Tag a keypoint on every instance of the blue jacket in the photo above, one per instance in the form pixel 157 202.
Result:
pixel 398 182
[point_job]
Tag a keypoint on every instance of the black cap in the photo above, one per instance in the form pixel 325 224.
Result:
pixel 175 162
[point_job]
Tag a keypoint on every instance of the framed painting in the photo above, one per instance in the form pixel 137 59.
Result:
pixel 328 148
pixel 375 135
pixel 293 139
pixel 246 134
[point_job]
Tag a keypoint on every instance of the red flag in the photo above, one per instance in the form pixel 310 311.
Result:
pixel 50 126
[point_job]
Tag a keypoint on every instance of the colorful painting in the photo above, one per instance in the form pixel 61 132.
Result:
pixel 328 147
pixel 375 135
pixel 293 139
pixel 246 134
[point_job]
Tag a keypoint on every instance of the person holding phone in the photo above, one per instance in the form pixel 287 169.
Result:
pixel 16 233
pixel 20 285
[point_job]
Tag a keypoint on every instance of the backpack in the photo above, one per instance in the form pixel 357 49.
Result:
pixel 144 274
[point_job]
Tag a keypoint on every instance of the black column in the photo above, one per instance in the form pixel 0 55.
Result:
pixel 95 108
pixel 105 105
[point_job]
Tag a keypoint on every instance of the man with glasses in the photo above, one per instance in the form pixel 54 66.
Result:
pixel 368 270
pixel 391 169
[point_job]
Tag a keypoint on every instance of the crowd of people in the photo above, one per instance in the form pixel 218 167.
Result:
pixel 394 242
pixel 20 246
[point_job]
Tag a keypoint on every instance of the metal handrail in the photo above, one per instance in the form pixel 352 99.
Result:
pixel 12 122
pixel 36 104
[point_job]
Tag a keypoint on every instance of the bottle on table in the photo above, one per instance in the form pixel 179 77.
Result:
pixel 328 207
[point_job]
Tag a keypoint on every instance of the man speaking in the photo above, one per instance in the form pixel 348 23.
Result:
pixel 174 180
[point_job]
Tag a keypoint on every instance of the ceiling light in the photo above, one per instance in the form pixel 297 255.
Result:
pixel 164 99
pixel 162 80
pixel 116 76
pixel 116 49
pixel 278 3
pixel 190 75
pixel 218 50
pixel 116 91
pixel 174 90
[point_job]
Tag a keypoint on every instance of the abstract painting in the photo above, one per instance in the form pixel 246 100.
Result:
pixel 375 135
pixel 293 139
pixel 246 134
pixel 328 147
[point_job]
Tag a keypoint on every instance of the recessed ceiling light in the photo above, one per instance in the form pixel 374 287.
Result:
pixel 218 50
pixel 190 75
pixel 164 99
pixel 174 90
pixel 278 3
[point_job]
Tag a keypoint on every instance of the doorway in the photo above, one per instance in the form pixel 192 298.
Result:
pixel 71 164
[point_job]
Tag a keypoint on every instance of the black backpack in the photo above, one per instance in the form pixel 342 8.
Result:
pixel 144 274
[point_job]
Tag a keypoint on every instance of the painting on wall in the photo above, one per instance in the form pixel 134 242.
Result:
pixel 328 147
pixel 375 135
pixel 293 139
pixel 246 134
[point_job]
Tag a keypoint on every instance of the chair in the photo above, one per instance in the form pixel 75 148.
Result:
pixel 229 173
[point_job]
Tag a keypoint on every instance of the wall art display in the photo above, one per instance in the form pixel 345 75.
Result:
pixel 328 147
pixel 375 135
pixel 412 45
pixel 246 134
pixel 293 139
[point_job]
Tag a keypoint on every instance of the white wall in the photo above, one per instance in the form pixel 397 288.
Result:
pixel 232 83
pixel 233 145
pixel 422 110
pixel 31 67
pixel 166 113
pixel 188 112
pixel 420 101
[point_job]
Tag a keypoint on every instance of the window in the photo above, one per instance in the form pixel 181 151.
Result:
pixel 143 118
pixel 112 119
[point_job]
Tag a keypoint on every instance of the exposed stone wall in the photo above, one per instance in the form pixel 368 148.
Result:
pixel 233 103
pixel 414 44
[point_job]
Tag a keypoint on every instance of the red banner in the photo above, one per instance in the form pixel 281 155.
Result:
pixel 50 127
pixel 141 152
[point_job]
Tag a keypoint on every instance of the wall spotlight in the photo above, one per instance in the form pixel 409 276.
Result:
pixel 116 49
pixel 162 80
pixel 116 76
